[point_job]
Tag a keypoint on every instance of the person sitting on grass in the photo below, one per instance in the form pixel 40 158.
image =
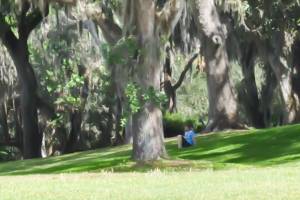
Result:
pixel 188 139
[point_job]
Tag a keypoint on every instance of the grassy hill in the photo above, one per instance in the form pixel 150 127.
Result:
pixel 255 164
pixel 254 148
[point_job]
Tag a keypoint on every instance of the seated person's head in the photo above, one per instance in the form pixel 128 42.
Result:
pixel 191 127
pixel 186 128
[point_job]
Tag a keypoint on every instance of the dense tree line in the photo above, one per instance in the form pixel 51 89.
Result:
pixel 79 74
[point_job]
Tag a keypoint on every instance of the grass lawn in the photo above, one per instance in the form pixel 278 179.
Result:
pixel 255 164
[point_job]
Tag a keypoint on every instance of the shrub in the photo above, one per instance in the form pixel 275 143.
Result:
pixel 3 154
pixel 174 124
pixel 8 153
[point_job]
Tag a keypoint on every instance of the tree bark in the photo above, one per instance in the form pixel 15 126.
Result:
pixel 167 84
pixel 267 94
pixel 281 63
pixel 75 120
pixel 169 88
pixel 128 131
pixel 76 116
pixel 223 111
pixel 32 139
pixel 18 123
pixel 143 22
pixel 18 50
pixel 248 91
pixel 148 141
pixel 3 122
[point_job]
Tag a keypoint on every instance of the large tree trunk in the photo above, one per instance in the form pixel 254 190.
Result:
pixel 142 22
pixel 284 79
pixel 18 50
pixel 296 67
pixel 281 63
pixel 148 141
pixel 32 139
pixel 296 72
pixel 223 112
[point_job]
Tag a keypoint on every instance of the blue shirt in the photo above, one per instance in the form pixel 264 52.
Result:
pixel 189 136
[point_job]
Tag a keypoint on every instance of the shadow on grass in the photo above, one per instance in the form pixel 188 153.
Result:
pixel 259 148
pixel 248 148
pixel 77 162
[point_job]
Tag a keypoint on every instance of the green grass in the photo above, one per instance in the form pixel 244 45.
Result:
pixel 255 164
pixel 261 184
pixel 252 148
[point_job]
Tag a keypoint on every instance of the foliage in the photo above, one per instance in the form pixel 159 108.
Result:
pixel 60 49
pixel 174 124
pixel 8 153
pixel 125 49
pixel 3 154
pixel 63 82
pixel 192 96
pixel 72 78
pixel 137 98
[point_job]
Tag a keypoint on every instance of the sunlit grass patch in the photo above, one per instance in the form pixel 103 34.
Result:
pixel 231 149
pixel 274 183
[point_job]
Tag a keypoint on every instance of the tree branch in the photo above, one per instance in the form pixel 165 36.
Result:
pixel 111 31
pixel 65 2
pixel 32 20
pixel 169 16
pixel 183 73
pixel 28 22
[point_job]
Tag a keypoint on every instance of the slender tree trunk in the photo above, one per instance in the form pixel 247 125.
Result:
pixel 75 120
pixel 248 91
pixel 170 90
pixel 3 121
pixel 267 94
pixel 76 117
pixel 118 128
pixel 167 84
pixel 108 130
pixel 128 131
pixel 223 112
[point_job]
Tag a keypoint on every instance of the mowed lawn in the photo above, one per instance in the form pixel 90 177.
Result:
pixel 255 164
